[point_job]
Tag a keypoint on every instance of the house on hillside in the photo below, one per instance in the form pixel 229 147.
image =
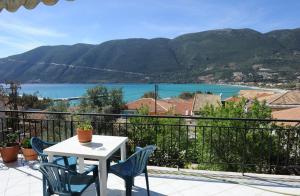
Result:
pixel 171 106
pixel 288 114
pixel 251 95
pixel 175 106
pixel 233 99
pixel 276 101
pixel 162 108
pixel 201 100
pixel 283 101
pixel 182 107
pixel 255 94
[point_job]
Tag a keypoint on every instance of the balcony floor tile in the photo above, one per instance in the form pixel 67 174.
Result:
pixel 17 179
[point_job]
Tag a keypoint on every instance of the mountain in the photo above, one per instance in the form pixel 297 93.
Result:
pixel 215 55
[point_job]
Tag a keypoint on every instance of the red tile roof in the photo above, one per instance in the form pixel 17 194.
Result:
pixel 287 98
pixel 255 94
pixel 181 106
pixel 202 100
pixel 288 114
pixel 164 106
pixel 233 99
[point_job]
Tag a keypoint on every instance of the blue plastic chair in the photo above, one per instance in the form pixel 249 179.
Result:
pixel 39 145
pixel 135 165
pixel 62 180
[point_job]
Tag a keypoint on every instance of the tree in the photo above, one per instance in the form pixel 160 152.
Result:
pixel 168 134
pixel 100 99
pixel 58 125
pixel 12 103
pixel 28 101
pixel 190 95
pixel 95 99
pixel 13 94
pixel 149 94
pixel 230 140
pixel 2 91
pixel 116 101
pixel 98 96
pixel 241 109
pixel 58 106
pixel 186 95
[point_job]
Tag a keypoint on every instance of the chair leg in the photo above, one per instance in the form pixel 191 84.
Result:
pixel 108 162
pixel 128 185
pixel 48 193
pixel 44 186
pixel 147 182
pixel 97 184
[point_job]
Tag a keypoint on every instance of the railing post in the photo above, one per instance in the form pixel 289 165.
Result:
pixel 270 151
pixel 71 124
pixel 179 132
pixel 126 135
pixel 126 126
pixel 244 148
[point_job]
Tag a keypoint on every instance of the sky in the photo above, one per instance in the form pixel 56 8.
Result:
pixel 96 21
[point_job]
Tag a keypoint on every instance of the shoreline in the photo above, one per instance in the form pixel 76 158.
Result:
pixel 277 90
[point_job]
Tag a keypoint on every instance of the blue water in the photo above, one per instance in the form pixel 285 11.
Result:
pixel 131 91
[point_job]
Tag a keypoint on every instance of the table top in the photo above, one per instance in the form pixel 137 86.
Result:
pixel 100 147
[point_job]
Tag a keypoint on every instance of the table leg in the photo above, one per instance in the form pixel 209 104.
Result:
pixel 81 164
pixel 123 152
pixel 102 177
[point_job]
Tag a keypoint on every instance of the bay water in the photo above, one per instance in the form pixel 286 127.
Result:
pixel 131 92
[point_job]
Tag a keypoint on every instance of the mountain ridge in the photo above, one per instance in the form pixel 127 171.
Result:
pixel 213 55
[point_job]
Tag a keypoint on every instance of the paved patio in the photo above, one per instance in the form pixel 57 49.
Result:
pixel 17 179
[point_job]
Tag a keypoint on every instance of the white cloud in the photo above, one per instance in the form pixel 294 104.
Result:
pixel 21 45
pixel 13 45
pixel 23 28
pixel 17 36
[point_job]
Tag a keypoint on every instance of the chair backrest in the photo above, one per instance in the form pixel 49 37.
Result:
pixel 39 145
pixel 139 160
pixel 58 178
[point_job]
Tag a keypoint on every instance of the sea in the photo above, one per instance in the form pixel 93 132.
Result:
pixel 131 92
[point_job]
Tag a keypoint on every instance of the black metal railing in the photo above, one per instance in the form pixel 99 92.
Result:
pixel 230 144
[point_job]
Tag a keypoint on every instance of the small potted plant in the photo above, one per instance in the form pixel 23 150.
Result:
pixel 28 152
pixel 84 132
pixel 10 148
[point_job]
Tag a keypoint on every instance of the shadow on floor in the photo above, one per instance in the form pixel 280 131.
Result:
pixel 242 180
pixel 288 183
pixel 136 191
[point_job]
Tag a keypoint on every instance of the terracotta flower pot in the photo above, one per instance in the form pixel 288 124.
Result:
pixel 84 136
pixel 29 154
pixel 10 154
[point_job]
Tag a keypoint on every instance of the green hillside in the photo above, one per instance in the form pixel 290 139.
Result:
pixel 209 56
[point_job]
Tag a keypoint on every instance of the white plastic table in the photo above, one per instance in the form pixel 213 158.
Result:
pixel 101 148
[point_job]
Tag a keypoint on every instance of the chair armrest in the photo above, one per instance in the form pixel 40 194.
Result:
pixel 91 168
pixel 49 143
pixel 138 148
